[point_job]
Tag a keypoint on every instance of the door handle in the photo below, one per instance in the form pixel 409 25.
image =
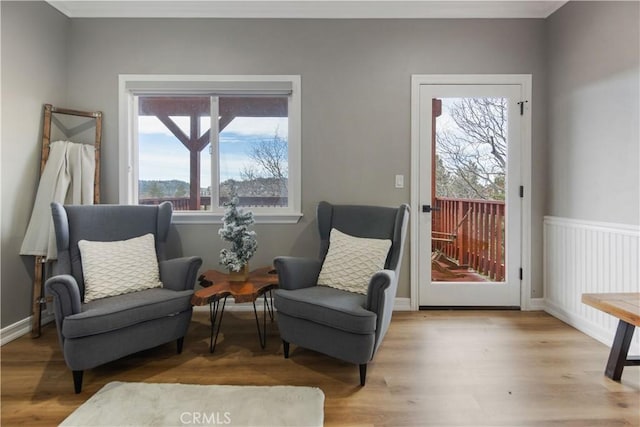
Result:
pixel 429 208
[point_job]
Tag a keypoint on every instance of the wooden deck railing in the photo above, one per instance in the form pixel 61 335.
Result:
pixel 179 203
pixel 478 227
pixel 182 203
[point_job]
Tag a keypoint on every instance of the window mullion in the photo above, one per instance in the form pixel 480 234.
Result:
pixel 134 156
pixel 250 105
pixel 215 153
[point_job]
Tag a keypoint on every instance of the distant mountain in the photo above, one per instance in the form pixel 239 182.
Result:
pixel 258 187
pixel 159 189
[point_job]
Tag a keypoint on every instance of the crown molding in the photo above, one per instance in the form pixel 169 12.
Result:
pixel 309 9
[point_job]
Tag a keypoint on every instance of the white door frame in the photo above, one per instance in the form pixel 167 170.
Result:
pixel 460 79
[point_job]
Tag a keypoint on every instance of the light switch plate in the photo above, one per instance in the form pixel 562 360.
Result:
pixel 399 181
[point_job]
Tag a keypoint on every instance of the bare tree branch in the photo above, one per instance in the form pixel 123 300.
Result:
pixel 271 156
pixel 269 161
pixel 472 155
pixel 248 173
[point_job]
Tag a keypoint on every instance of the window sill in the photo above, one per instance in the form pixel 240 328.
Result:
pixel 181 217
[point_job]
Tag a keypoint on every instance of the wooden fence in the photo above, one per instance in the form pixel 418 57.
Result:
pixel 182 203
pixel 477 228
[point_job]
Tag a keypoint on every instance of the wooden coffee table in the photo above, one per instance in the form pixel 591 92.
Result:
pixel 218 286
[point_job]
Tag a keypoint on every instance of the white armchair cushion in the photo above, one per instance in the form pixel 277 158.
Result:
pixel 120 267
pixel 351 261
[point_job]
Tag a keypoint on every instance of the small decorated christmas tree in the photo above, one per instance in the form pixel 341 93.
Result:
pixel 235 229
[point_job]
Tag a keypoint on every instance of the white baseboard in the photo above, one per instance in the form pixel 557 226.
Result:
pixel 23 327
pixel 595 331
pixel 14 331
pixel 20 328
pixel 401 304
pixel 535 304
pixel 232 306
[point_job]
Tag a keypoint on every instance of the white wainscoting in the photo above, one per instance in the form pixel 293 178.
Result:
pixel 587 257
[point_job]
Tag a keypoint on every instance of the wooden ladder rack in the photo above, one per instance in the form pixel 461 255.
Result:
pixel 41 261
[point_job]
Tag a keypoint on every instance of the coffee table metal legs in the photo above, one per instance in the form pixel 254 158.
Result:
pixel 216 313
pixel 269 304
pixel 215 318
pixel 267 307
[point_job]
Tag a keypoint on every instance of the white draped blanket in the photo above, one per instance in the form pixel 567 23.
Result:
pixel 67 178
pixel 142 404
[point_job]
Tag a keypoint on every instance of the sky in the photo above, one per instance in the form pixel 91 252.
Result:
pixel 445 123
pixel 165 158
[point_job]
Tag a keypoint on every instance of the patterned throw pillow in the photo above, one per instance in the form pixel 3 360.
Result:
pixel 351 261
pixel 121 267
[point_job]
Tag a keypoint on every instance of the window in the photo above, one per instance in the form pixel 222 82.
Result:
pixel 192 140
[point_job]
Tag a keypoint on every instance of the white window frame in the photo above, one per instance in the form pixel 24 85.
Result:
pixel 129 86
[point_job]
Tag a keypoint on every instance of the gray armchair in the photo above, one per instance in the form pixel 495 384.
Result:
pixel 107 329
pixel 341 324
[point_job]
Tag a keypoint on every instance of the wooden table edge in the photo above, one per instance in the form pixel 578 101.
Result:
pixel 601 302
pixel 207 295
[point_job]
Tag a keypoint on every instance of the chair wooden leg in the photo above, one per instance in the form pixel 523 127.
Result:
pixel 77 381
pixel 363 373
pixel 285 346
pixel 180 342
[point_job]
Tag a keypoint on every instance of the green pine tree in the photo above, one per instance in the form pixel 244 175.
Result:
pixel 235 229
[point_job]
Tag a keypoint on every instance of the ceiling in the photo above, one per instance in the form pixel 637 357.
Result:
pixel 305 9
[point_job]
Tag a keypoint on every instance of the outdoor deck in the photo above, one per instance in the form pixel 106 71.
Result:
pixel 474 253
pixel 183 203
pixel 477 243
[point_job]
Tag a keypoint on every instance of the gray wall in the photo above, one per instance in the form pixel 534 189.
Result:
pixel 593 115
pixel 34 72
pixel 355 106
pixel 355 97
pixel 356 92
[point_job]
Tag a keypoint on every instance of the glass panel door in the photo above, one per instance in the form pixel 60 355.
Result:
pixel 468 189
pixel 470 244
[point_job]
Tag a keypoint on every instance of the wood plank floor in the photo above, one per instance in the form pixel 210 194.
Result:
pixel 435 368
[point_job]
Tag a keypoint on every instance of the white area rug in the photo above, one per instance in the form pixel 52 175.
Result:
pixel 142 404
